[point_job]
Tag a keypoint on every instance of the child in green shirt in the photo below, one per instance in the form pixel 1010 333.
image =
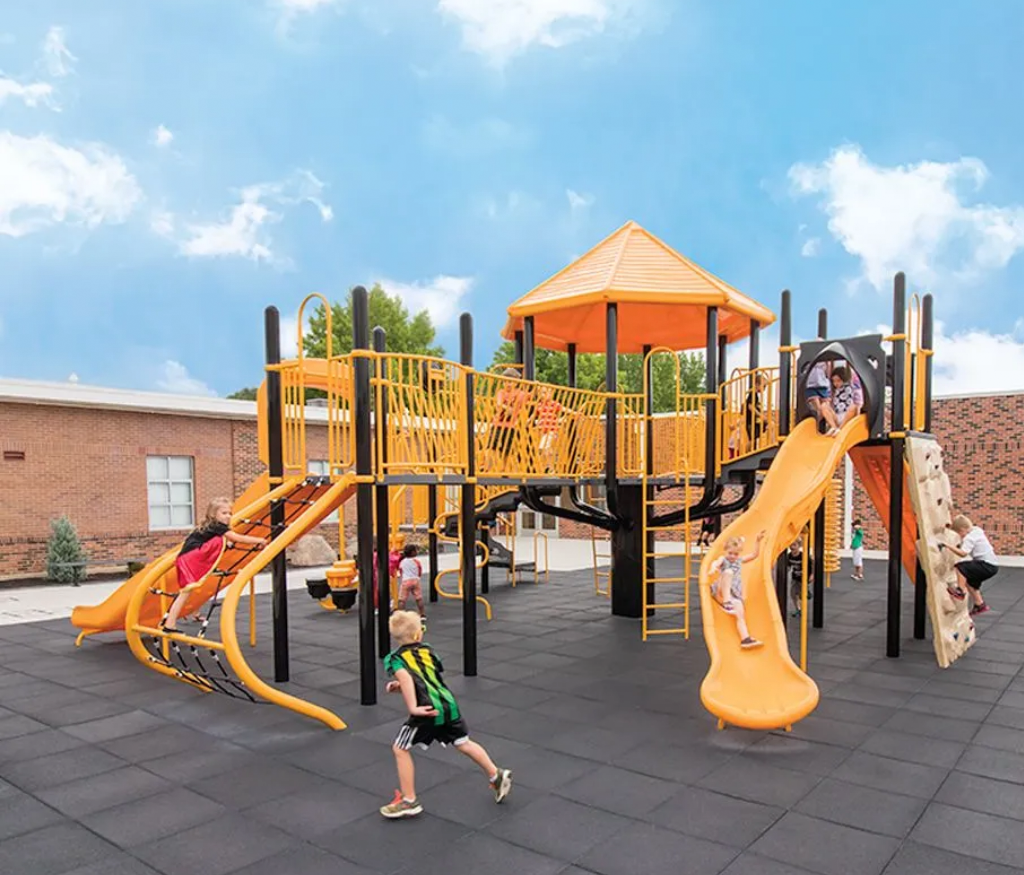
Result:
pixel 857 544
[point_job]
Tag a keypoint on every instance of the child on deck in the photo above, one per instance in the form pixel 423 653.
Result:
pixel 411 571
pixel 978 561
pixel 727 590
pixel 199 555
pixel 818 396
pixel 549 411
pixel 434 715
pixel 857 546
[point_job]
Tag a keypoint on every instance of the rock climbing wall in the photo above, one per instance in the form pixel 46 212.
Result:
pixel 952 628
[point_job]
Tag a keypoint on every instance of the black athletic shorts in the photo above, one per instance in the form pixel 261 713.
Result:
pixel 976 571
pixel 425 734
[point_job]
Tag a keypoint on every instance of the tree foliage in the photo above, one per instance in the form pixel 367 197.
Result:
pixel 246 394
pixel 553 367
pixel 412 334
pixel 63 547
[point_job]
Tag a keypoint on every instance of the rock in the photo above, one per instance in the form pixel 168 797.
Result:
pixel 310 551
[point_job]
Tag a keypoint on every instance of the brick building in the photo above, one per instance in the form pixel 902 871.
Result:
pixel 133 470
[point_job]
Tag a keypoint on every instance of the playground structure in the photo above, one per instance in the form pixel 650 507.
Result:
pixel 398 421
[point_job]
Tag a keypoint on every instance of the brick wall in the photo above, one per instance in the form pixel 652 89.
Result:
pixel 982 441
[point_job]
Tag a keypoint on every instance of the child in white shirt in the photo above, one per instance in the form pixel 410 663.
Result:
pixel 978 560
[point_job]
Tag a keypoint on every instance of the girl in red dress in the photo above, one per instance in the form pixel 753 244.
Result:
pixel 200 552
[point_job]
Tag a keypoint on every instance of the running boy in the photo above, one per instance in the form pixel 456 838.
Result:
pixel 434 715
pixel 857 546
pixel 978 560
pixel 411 571
pixel 727 589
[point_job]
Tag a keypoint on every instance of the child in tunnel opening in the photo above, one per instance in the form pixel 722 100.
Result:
pixel 727 585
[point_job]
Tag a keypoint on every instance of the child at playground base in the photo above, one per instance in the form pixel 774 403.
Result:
pixel 199 555
pixel 795 567
pixel 857 546
pixel 978 561
pixel 727 589
pixel 707 531
pixel 434 715
pixel 409 585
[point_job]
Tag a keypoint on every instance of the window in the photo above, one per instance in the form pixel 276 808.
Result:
pixel 322 468
pixel 169 484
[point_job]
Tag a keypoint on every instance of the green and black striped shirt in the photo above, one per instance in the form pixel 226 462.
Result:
pixel 425 666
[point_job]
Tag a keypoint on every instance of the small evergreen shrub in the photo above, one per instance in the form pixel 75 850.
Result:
pixel 63 546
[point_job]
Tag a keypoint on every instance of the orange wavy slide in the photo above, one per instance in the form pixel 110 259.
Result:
pixel 109 615
pixel 763 688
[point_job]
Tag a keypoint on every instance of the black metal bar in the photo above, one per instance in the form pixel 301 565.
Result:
pixel 785 366
pixel 485 575
pixel 364 496
pixel 818 551
pixel 432 540
pixel 755 344
pixel 710 408
pixel 380 344
pixel 723 364
pixel 588 515
pixel 468 508
pixel 611 381
pixel 895 577
pixel 517 347
pixel 529 349
pixel 823 323
pixel 275 464
pixel 571 354
pixel 782 585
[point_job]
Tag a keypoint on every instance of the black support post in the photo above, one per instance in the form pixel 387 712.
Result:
pixel 517 347
pixel 275 453
pixel 818 547
pixel 723 363
pixel 611 381
pixel 467 508
pixel 710 388
pixel 571 355
pixel 529 349
pixel 755 344
pixel 895 579
pixel 364 497
pixel 432 540
pixel 383 521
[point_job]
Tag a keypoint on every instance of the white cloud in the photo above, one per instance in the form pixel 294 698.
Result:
pixel 912 217
pixel 440 297
pixel 32 95
pixel 56 56
pixel 174 377
pixel 162 136
pixel 480 137
pixel 577 201
pixel 289 337
pixel 43 183
pixel 501 29
pixel 972 360
pixel 810 247
pixel 289 10
pixel 243 232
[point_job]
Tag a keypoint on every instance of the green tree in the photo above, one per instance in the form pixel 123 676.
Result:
pixel 409 334
pixel 553 367
pixel 246 394
pixel 63 547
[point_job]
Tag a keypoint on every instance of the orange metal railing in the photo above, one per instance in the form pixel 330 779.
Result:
pixel 748 413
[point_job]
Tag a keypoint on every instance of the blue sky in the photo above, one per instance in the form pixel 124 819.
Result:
pixel 169 168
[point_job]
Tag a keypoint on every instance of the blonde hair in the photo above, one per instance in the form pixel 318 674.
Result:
pixel 212 508
pixel 405 626
pixel 962 523
pixel 734 543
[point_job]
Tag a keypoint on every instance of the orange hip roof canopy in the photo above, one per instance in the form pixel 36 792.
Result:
pixel 662 299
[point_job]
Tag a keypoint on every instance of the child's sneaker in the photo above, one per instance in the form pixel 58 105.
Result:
pixel 501 785
pixel 749 643
pixel 399 807
pixel 980 609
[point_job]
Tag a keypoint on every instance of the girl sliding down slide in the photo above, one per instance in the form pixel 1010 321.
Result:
pixel 727 590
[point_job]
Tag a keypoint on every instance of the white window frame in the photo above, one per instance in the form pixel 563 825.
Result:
pixel 170 482
pixel 322 468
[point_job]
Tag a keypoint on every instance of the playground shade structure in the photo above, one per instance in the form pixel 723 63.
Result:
pixel 763 688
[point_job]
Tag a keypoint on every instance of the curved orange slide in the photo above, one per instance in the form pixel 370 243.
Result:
pixel 109 615
pixel 763 688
